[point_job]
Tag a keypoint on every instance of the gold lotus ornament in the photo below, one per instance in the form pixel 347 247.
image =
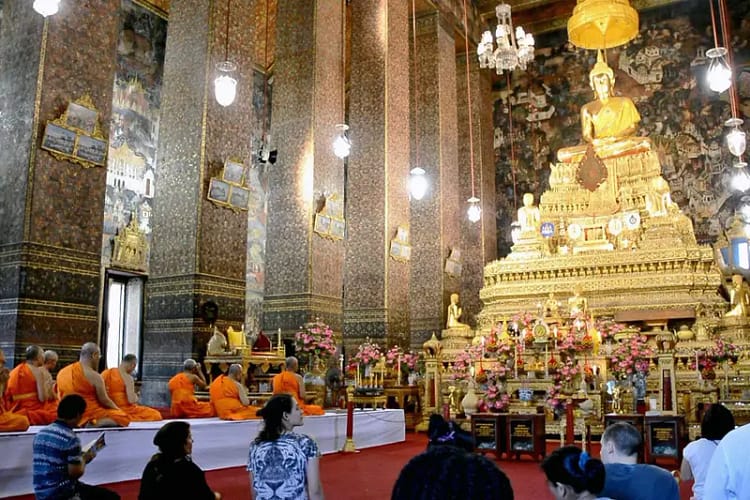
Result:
pixel 602 24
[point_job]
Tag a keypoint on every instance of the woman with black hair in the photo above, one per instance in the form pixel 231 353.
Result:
pixel 573 475
pixel 171 473
pixel 448 472
pixel 717 422
pixel 441 433
pixel 282 464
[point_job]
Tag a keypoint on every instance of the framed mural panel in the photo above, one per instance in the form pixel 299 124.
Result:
pixel 234 173
pixel 218 191
pixel 82 118
pixel 58 139
pixel 91 149
pixel 239 197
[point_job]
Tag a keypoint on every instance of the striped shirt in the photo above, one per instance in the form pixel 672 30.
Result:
pixel 55 447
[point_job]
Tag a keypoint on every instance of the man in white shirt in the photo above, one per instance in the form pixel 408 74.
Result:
pixel 729 473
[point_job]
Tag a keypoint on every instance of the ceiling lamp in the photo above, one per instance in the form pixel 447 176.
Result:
pixel 515 48
pixel 342 146
pixel 719 75
pixel 47 7
pixel 417 180
pixel 740 180
pixel 602 24
pixel 475 211
pixel 225 84
pixel 736 140
pixel 417 183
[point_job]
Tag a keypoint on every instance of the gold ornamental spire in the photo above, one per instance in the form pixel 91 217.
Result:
pixel 602 24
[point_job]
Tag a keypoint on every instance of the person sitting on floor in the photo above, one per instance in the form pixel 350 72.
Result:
pixel 27 392
pixel 282 463
pixel 121 388
pixel 84 379
pixel 717 423
pixel 625 478
pixel 9 421
pixel 290 382
pixel 59 460
pixel 442 433
pixel 171 473
pixel 229 396
pixel 573 475
pixel 50 362
pixel 182 387
pixel 447 472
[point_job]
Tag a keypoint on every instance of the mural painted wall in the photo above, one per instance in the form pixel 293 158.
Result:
pixel 663 71
pixel 134 130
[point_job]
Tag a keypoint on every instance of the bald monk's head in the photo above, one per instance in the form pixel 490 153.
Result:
pixel 235 372
pixel 34 355
pixel 50 360
pixel 128 363
pixel 90 355
pixel 292 364
pixel 190 365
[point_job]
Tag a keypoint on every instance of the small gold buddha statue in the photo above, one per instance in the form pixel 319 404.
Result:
pixel 608 123
pixel 577 304
pixel 551 306
pixel 454 313
pixel 529 218
pixel 739 296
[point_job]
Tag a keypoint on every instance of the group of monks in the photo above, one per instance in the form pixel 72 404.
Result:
pixel 29 395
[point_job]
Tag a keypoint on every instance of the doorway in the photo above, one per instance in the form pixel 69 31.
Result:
pixel 123 318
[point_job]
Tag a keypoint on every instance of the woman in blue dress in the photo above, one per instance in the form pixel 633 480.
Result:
pixel 282 464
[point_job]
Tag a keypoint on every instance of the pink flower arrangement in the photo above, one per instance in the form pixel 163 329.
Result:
pixel 409 359
pixel 368 354
pixel 554 400
pixel 464 361
pixel 569 371
pixel 608 328
pixel 723 351
pixel 522 321
pixel 630 357
pixel 315 340
pixel 495 399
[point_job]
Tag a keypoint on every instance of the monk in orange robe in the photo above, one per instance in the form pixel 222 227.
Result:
pixel 27 391
pixel 290 382
pixel 229 396
pixel 9 421
pixel 182 387
pixel 82 378
pixel 121 388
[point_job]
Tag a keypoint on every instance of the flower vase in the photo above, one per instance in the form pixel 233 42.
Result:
pixel 470 401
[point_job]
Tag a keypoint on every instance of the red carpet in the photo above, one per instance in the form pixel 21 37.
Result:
pixel 369 475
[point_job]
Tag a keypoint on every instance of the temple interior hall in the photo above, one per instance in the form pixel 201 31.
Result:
pixel 532 218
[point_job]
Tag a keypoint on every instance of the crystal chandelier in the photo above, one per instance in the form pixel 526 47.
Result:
pixel 515 48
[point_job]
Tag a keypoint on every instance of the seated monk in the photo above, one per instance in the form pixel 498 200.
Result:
pixel 290 382
pixel 182 387
pixel 9 421
pixel 82 378
pixel 121 388
pixel 229 397
pixel 27 391
pixel 608 123
pixel 50 362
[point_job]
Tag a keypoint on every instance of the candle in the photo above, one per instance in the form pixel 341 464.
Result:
pixel 278 343
pixel 515 360
pixel 398 376
pixel 546 361
pixel 697 367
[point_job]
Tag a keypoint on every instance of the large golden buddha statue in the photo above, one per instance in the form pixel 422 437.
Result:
pixel 608 123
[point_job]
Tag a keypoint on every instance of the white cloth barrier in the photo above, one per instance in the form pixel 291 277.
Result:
pixel 218 444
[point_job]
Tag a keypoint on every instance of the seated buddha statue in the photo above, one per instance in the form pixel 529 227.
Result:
pixel 608 123
pixel 739 296
pixel 454 313
pixel 529 218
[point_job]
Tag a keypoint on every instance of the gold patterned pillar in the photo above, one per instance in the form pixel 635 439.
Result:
pixel 478 239
pixel 199 249
pixel 51 208
pixel 304 270
pixel 434 219
pixel 376 284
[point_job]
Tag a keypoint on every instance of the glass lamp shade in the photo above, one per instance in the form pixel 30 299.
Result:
pixel 47 7
pixel 740 180
pixel 719 74
pixel 417 183
pixel 342 146
pixel 225 85
pixel 736 140
pixel 474 213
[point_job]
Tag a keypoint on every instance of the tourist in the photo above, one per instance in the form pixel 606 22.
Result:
pixel 182 388
pixel 9 421
pixel 717 422
pixel 442 433
pixel 229 396
pixel 171 473
pixel 26 391
pixel 447 472
pixel 83 378
pixel 625 478
pixel 573 474
pixel 121 388
pixel 728 475
pixel 290 382
pixel 59 460
pixel 282 463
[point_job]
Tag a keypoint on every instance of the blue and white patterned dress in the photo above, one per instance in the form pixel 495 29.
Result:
pixel 280 467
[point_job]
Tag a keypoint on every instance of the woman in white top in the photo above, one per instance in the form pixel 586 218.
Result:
pixel 717 422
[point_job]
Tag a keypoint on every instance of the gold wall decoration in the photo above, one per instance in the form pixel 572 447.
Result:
pixel 228 190
pixel 400 249
pixel 130 247
pixel 76 136
pixel 329 221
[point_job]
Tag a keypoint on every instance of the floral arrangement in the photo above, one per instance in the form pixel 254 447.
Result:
pixel 568 342
pixel 461 367
pixel 630 357
pixel 409 359
pixel 522 321
pixel 723 351
pixel 315 340
pixel 554 397
pixel 368 354
pixel 569 371
pixel 495 399
pixel 608 328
